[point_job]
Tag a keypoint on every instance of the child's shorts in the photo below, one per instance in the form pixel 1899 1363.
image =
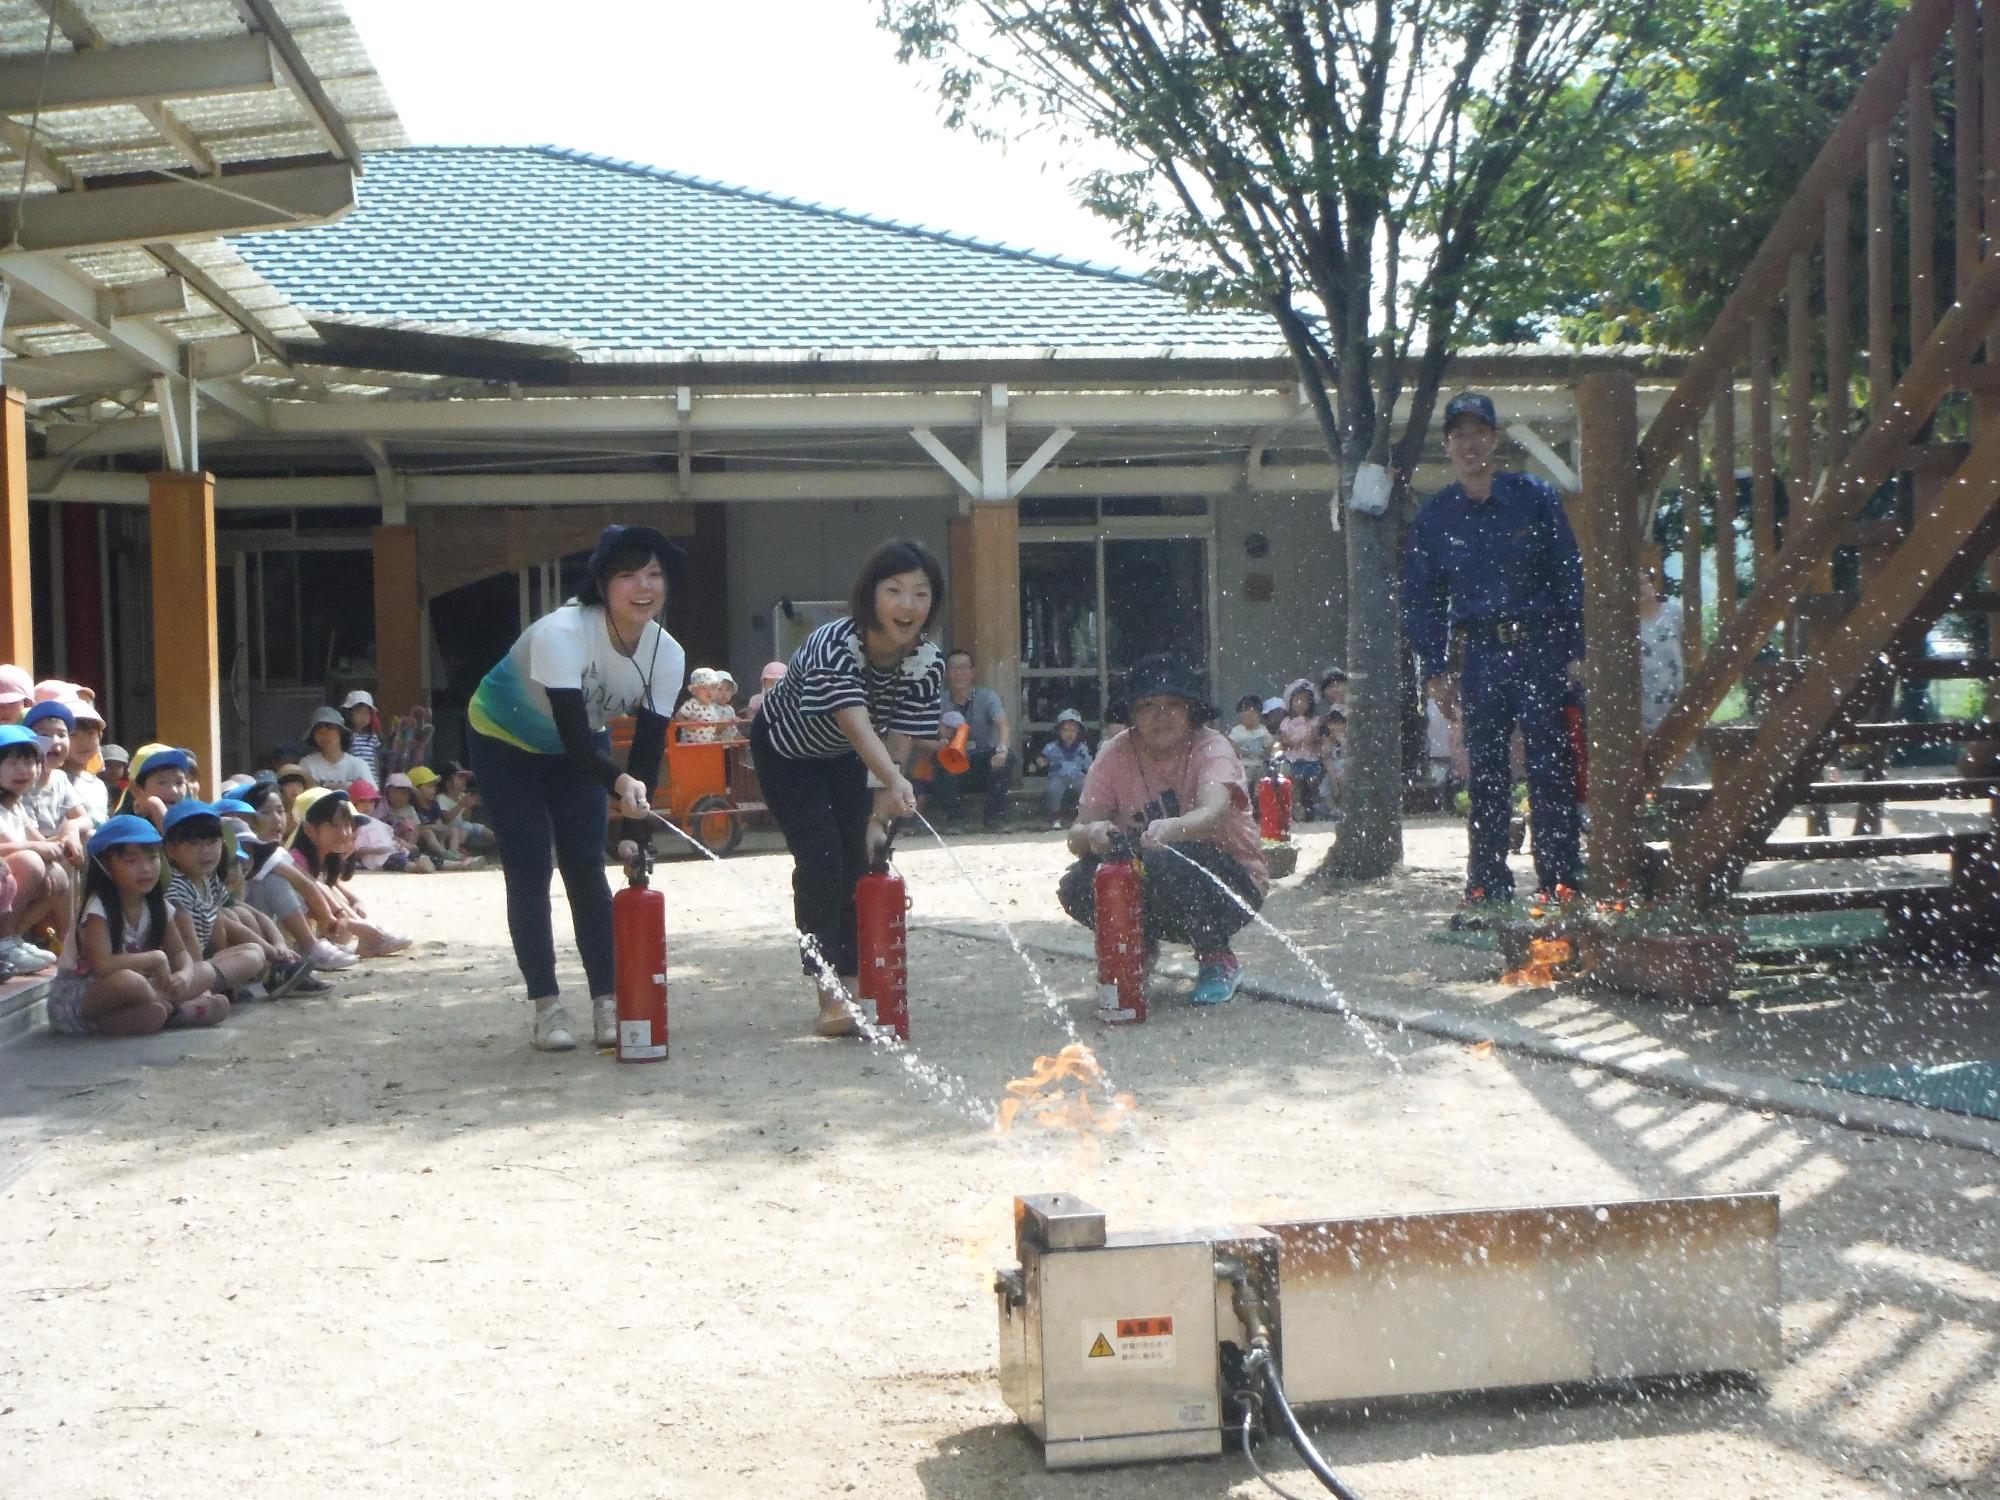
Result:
pixel 66 1005
pixel 273 896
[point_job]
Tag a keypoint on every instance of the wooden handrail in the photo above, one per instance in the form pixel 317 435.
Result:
pixel 1814 527
pixel 1841 160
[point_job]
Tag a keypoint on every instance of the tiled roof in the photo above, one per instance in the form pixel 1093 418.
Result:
pixel 620 261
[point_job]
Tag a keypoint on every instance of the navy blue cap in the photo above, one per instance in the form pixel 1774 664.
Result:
pixel 126 828
pixel 614 539
pixel 1471 404
pixel 49 709
pixel 1164 673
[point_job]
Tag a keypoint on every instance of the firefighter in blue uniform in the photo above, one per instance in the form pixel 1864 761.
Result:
pixel 1493 609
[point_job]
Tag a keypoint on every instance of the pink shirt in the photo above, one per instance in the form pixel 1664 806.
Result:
pixel 1132 792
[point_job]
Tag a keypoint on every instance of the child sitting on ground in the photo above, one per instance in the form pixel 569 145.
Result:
pixel 275 886
pixel 93 790
pixel 377 844
pixel 323 846
pixel 1068 760
pixel 37 863
pixel 443 842
pixel 458 806
pixel 364 727
pixel 52 802
pixel 252 924
pixel 127 969
pixel 1300 736
pixel 249 968
pixel 701 708
pixel 292 780
pixel 1333 754
pixel 332 761
pixel 159 780
pixel 1252 740
pixel 17 691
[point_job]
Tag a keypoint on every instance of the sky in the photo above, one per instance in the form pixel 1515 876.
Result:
pixel 798 97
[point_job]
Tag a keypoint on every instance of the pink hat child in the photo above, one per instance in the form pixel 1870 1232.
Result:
pixel 17 691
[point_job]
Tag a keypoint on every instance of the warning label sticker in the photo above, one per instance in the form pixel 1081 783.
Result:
pixel 1128 1341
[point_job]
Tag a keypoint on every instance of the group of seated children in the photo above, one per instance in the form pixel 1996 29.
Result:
pixel 158 909
pixel 1307 731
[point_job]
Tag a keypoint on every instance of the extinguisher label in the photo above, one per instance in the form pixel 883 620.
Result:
pixel 1108 1006
pixel 635 1039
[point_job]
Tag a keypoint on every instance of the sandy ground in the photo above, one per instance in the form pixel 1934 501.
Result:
pixel 374 1245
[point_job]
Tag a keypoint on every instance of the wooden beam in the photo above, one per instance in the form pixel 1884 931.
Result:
pixel 1608 415
pixel 17 615
pixel 187 683
pixel 399 621
pixel 1923 211
pixel 1881 275
pixel 984 593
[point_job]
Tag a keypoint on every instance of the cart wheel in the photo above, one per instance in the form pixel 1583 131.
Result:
pixel 713 821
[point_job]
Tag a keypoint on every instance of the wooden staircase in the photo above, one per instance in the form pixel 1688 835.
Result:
pixel 1830 382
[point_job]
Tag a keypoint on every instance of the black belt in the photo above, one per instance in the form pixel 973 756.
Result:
pixel 1501 632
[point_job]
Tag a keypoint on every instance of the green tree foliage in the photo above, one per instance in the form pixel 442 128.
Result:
pixel 1707 136
pixel 1372 173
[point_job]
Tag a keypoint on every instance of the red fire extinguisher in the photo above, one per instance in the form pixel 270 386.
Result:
pixel 881 905
pixel 639 953
pixel 1274 804
pixel 1121 935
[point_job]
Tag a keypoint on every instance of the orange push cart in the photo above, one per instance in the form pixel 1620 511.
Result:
pixel 708 787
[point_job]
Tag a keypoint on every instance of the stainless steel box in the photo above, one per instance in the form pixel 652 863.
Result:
pixel 1109 1354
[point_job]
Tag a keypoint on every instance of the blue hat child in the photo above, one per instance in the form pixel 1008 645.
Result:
pixel 49 709
pixel 18 734
pixel 126 828
pixel 187 811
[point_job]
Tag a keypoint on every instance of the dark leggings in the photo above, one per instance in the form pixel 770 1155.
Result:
pixel 1182 904
pixel 532 802
pixel 821 806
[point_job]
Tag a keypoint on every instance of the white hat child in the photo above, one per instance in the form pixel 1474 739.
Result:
pixel 703 677
pixel 358 699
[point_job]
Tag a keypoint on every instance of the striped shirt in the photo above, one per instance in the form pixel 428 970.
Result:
pixel 830 672
pixel 200 902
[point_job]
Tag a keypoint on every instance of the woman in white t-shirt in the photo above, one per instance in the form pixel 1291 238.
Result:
pixel 544 765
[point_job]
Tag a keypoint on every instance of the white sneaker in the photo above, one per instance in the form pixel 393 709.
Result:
pixel 552 1030
pixel 325 955
pixel 604 1020
pixel 23 957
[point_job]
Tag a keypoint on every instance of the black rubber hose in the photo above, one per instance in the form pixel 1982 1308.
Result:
pixel 1322 1470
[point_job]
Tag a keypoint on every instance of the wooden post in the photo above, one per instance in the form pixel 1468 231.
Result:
pixel 187 685
pixel 1608 419
pixel 399 622
pixel 985 593
pixel 17 614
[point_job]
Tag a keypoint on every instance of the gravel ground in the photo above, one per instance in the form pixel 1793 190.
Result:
pixel 373 1244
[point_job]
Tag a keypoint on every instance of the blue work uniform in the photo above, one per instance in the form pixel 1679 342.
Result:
pixel 1501 577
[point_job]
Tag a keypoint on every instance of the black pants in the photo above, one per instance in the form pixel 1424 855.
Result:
pixel 947 794
pixel 821 807
pixel 536 804
pixel 1182 904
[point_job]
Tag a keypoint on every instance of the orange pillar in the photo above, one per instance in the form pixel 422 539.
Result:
pixel 399 622
pixel 985 590
pixel 187 685
pixel 17 616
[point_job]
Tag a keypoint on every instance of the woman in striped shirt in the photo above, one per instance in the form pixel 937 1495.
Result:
pixel 839 722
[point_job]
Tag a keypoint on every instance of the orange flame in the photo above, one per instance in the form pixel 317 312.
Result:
pixel 1545 956
pixel 1044 1098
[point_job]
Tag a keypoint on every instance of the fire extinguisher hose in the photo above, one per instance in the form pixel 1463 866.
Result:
pixel 1322 1470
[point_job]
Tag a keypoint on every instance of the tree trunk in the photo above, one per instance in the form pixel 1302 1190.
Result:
pixel 1369 844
